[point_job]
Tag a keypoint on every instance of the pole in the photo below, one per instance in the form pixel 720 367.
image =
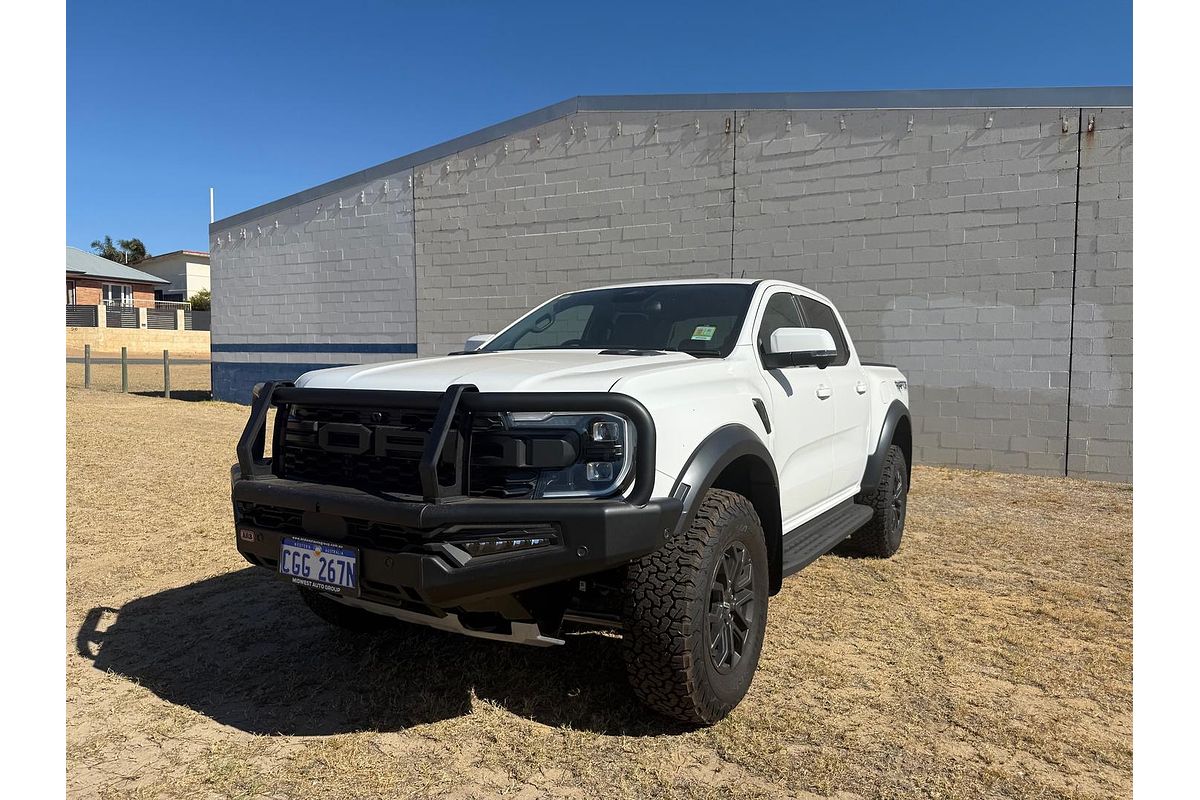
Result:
pixel 124 369
pixel 87 366
pixel 211 217
pixel 167 374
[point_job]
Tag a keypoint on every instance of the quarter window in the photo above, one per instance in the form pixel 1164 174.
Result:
pixel 819 315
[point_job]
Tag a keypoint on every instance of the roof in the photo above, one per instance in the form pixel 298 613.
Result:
pixel 93 266
pixel 196 253
pixel 914 99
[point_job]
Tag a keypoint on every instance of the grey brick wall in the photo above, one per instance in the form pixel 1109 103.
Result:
pixel 1101 443
pixel 329 281
pixel 947 245
pixel 947 237
pixel 591 199
pixel 335 269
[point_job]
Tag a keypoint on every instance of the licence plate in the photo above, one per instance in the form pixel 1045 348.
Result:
pixel 320 565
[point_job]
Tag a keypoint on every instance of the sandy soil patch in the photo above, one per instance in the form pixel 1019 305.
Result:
pixel 990 658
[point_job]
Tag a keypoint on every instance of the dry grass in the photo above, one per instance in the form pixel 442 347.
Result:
pixel 990 658
pixel 188 381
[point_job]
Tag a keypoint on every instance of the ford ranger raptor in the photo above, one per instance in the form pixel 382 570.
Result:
pixel 651 458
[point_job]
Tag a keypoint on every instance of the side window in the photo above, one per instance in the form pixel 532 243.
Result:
pixel 819 315
pixel 780 313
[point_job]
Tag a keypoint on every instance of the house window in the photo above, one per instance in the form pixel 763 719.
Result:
pixel 118 294
pixel 70 293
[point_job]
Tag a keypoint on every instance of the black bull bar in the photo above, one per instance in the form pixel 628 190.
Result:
pixel 453 409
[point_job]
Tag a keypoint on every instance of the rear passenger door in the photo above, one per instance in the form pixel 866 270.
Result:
pixel 849 399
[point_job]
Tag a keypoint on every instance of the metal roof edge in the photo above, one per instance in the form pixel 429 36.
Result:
pixel 490 133
pixel 1044 97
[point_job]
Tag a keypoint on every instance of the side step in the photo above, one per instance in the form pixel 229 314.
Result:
pixel 821 534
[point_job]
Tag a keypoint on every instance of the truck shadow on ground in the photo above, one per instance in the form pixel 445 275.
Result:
pixel 188 395
pixel 242 649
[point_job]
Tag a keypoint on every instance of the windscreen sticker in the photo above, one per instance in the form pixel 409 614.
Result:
pixel 704 333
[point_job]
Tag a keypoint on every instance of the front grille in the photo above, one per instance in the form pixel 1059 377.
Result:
pixel 371 449
pixel 379 450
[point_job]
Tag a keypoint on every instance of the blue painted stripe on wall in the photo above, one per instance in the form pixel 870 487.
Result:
pixel 233 382
pixel 306 347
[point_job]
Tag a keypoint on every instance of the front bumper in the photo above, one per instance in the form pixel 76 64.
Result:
pixel 406 550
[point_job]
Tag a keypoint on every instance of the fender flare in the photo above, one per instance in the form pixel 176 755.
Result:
pixel 717 451
pixel 896 412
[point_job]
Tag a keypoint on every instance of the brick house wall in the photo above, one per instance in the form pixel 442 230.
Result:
pixel 90 292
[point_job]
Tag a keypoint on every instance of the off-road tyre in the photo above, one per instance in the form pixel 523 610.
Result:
pixel 669 618
pixel 880 537
pixel 342 616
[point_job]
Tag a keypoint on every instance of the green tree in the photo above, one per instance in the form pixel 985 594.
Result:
pixel 201 300
pixel 125 251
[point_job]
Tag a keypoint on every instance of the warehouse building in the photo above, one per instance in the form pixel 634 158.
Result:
pixel 979 239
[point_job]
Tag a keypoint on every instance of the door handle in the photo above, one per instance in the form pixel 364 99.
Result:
pixel 824 392
pixel 860 387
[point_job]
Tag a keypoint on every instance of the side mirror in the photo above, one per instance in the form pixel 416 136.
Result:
pixel 800 347
pixel 478 341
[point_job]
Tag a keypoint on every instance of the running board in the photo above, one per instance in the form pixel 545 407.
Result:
pixel 821 534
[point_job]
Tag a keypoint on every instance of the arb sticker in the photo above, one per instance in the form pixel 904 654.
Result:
pixel 704 333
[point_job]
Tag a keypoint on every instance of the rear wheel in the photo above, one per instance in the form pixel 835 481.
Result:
pixel 881 536
pixel 343 616
pixel 695 612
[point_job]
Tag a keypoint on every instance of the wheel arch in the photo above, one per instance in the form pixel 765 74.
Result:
pixel 733 458
pixel 896 429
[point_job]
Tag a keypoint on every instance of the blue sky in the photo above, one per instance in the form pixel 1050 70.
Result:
pixel 267 98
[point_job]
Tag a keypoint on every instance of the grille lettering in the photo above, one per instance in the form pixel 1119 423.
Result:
pixel 344 437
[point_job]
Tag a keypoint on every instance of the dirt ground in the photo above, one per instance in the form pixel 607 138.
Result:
pixel 990 658
pixel 188 381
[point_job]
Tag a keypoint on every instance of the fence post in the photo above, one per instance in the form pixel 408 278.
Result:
pixel 180 323
pixel 87 366
pixel 167 374
pixel 101 316
pixel 124 369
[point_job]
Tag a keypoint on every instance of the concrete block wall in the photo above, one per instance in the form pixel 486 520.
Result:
pixel 947 237
pixel 591 199
pixel 1101 409
pixel 328 281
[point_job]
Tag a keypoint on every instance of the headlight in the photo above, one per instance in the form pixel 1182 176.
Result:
pixel 575 455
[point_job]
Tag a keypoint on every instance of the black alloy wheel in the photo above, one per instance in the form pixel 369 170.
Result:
pixel 731 608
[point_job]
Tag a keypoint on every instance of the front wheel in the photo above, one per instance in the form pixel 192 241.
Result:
pixel 695 613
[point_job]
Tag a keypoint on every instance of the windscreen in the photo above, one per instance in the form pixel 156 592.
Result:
pixel 700 319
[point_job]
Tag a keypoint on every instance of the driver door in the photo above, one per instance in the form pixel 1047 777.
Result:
pixel 802 419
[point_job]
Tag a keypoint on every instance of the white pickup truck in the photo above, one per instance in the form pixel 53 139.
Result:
pixel 649 458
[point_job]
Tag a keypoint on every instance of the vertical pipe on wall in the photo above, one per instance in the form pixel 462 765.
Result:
pixel 1074 282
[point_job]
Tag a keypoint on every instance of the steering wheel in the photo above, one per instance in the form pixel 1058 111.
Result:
pixel 572 343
